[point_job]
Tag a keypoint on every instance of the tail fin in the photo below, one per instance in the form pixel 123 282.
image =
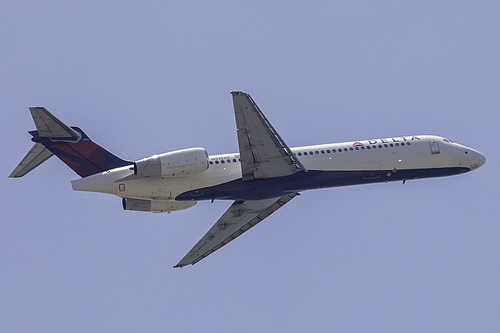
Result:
pixel 70 144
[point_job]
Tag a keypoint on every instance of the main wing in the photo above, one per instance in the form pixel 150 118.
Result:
pixel 263 153
pixel 240 217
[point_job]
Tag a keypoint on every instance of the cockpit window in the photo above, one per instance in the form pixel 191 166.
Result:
pixel 447 140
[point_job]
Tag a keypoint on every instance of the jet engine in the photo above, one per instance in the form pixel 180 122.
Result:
pixel 173 164
pixel 156 206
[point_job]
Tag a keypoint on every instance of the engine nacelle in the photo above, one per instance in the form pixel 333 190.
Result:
pixel 173 164
pixel 156 206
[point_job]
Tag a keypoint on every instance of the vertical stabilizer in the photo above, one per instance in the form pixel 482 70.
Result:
pixel 70 144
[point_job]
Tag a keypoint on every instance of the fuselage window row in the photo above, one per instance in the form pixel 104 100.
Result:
pixel 328 151
pixel 224 161
pixel 339 150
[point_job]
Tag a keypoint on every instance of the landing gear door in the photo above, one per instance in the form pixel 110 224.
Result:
pixel 434 146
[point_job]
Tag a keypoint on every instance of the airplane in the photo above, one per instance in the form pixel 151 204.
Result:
pixel 262 177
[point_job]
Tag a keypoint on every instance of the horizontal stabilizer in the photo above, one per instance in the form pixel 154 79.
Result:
pixel 36 156
pixel 49 126
pixel 70 144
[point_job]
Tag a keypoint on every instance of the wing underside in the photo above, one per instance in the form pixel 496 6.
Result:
pixel 239 218
pixel 263 153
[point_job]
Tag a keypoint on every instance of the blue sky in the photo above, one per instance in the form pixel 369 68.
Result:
pixel 145 78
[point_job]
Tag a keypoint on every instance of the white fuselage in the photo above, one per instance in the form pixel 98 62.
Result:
pixel 359 162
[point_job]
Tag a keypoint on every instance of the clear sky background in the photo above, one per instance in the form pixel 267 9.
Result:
pixel 146 77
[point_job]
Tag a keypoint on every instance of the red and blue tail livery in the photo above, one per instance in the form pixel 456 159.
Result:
pixel 263 176
pixel 70 144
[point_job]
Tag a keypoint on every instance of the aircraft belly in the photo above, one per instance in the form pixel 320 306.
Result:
pixel 240 189
pixel 168 188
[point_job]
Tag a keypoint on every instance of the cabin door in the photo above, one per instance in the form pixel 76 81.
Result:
pixel 434 146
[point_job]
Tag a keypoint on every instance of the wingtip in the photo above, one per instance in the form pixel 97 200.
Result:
pixel 181 265
pixel 238 92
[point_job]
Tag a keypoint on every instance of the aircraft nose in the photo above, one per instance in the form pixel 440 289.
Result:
pixel 481 159
pixel 476 159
